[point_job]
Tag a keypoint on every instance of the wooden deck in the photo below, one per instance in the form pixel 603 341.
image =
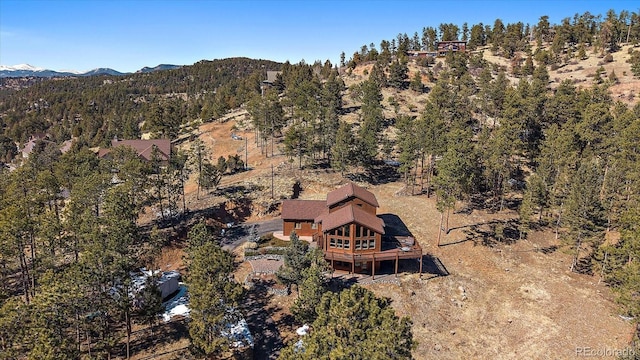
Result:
pixel 396 254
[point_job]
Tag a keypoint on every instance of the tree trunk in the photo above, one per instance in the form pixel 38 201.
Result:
pixel 89 343
pixel 440 229
pixel 429 175
pixel 24 270
pixel 159 195
pixel 575 257
pixel 128 325
pixel 558 222
pixel 184 200
pixel 421 172
pixel 604 181
pixel 447 222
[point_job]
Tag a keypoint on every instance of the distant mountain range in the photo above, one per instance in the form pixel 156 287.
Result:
pixel 26 70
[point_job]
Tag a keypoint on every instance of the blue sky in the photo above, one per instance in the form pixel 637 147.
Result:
pixel 128 35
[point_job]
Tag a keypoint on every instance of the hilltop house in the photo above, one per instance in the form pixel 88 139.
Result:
pixel 348 230
pixel 144 148
pixel 272 76
pixel 443 47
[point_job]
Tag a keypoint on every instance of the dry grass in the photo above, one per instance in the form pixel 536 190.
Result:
pixel 508 301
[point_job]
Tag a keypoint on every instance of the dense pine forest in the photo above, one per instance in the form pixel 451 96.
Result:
pixel 469 130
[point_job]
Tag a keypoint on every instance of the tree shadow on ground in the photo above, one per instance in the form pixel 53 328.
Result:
pixel 584 266
pixel 164 334
pixel 490 233
pixel 379 174
pixel 348 110
pixel 489 203
pixel 259 315
pixel 432 267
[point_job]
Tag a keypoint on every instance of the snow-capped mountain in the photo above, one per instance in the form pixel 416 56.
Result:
pixel 20 67
pixel 26 70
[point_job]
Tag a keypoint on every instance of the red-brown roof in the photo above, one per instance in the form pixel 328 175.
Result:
pixel 351 190
pixel 349 214
pixel 302 209
pixel 144 148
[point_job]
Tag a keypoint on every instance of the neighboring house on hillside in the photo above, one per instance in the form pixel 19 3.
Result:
pixel 144 148
pixel 33 139
pixel 348 230
pixel 443 47
pixel 421 53
pixel 268 82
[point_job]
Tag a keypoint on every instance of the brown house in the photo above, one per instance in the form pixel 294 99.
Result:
pixel 348 230
pixel 299 216
pixel 443 47
pixel 144 148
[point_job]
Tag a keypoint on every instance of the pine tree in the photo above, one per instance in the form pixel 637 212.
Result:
pixel 149 303
pixel 295 261
pixel 585 215
pixel 212 294
pixel 312 286
pixel 342 151
pixel 398 74
pixel 354 324
pixel 416 82
pixel 371 125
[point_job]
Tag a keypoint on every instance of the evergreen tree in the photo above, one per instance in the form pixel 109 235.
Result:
pixel 312 286
pixel 398 74
pixel 620 265
pixel 149 303
pixel 585 215
pixel 343 149
pixel 212 294
pixel 354 324
pixel 416 82
pixel 371 126
pixel 295 261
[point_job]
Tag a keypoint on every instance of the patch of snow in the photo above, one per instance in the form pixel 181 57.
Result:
pixel 24 67
pixel 303 330
pixel 77 72
pixel 239 334
pixel 236 329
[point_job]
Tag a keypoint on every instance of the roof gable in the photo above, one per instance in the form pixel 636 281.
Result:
pixel 144 148
pixel 351 190
pixel 302 209
pixel 350 214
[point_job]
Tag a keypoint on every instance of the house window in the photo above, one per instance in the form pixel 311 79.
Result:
pixel 314 225
pixel 347 230
pixel 339 231
pixel 372 244
pixel 339 243
pixel 365 244
pixel 347 244
pixel 332 242
pixel 358 244
pixel 298 225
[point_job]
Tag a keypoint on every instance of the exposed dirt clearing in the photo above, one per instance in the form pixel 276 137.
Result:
pixel 516 302
pixel 505 302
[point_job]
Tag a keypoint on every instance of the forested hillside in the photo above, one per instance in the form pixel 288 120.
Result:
pixel 525 120
pixel 94 110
